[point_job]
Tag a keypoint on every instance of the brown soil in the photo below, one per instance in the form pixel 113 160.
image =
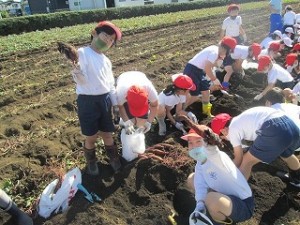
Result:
pixel 40 135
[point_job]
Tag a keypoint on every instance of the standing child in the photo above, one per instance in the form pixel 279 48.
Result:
pixel 220 188
pixel 95 88
pixel 232 25
pixel 274 73
pixel 200 69
pixel 174 96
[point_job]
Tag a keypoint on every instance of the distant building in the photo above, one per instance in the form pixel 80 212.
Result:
pixel 46 6
pixel 13 7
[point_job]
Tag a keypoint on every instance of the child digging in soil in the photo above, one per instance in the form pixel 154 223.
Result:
pixel 200 70
pixel 95 87
pixel 221 190
pixel 174 96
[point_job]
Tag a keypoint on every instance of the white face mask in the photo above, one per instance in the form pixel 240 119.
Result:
pixel 198 154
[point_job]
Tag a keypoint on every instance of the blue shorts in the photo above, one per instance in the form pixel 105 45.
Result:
pixel 275 22
pixel 94 112
pixel 131 116
pixel 239 40
pixel 228 61
pixel 241 209
pixel 199 78
pixel 276 137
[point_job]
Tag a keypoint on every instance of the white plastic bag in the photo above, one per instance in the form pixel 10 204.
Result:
pixel 50 201
pixel 132 144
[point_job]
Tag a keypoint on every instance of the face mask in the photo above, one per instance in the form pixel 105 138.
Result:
pixel 101 45
pixel 198 154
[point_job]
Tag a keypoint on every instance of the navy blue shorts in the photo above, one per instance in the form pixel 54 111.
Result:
pixel 239 40
pixel 276 137
pixel 241 209
pixel 199 78
pixel 228 61
pixel 94 112
pixel 131 116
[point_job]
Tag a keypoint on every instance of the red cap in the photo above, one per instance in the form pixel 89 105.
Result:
pixel 275 46
pixel 184 82
pixel 137 100
pixel 219 121
pixel 111 25
pixel 263 61
pixel 290 59
pixel 229 41
pixel 296 47
pixel 192 133
pixel 233 7
pixel 256 49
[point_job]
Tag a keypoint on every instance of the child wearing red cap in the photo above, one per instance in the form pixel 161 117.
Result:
pixel 200 69
pixel 174 96
pixel 137 100
pixel 273 134
pixel 221 190
pixel 95 87
pixel 273 50
pixel 234 64
pixel 292 64
pixel 232 25
pixel 274 73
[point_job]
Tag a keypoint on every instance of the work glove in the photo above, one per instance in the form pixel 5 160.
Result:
pixel 258 97
pixel 180 126
pixel 199 216
pixel 129 127
pixel 116 113
pixel 147 127
pixel 225 85
pixel 192 117
pixel 78 76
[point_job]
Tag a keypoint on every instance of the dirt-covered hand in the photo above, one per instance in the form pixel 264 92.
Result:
pixel 116 114
pixel 69 51
pixel 147 127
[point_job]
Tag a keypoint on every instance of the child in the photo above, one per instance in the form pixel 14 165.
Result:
pixel 95 87
pixel 289 17
pixel 273 50
pixel 274 73
pixel 137 100
pixel 234 64
pixel 220 188
pixel 275 36
pixel 289 32
pixel 174 96
pixel 200 69
pixel 273 134
pixel 292 64
pixel 232 25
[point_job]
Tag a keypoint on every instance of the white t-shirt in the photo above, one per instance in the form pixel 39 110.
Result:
pixel 245 125
pixel 279 73
pixel 289 18
pixel 210 54
pixel 221 175
pixel 170 100
pixel 297 17
pixel 130 78
pixel 240 52
pixel 296 89
pixel 291 110
pixel 266 42
pixel 98 75
pixel 232 27
pixel 264 52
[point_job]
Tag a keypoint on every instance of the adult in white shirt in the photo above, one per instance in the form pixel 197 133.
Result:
pixel 137 100
pixel 273 134
pixel 275 73
pixel 172 96
pixel 275 36
pixel 200 69
pixel 232 25
pixel 233 62
pixel 220 188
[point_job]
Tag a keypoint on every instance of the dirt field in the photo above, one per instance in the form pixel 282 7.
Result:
pixel 40 135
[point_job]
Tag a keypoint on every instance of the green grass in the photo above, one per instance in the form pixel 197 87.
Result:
pixel 12 44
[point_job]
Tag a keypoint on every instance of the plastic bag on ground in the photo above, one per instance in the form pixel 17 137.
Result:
pixel 132 144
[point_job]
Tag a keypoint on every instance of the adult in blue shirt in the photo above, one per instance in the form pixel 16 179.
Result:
pixel 275 17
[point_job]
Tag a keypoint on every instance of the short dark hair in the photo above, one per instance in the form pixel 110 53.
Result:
pixel 275 95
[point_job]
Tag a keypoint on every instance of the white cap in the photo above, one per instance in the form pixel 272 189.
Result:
pixel 289 30
pixel 278 33
pixel 288 42
pixel 298 40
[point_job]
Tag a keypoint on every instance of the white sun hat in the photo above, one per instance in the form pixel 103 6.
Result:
pixel 289 30
pixel 288 42
pixel 278 33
